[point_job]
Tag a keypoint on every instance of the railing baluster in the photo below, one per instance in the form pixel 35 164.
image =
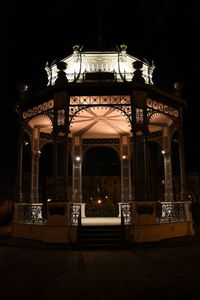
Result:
pixel 29 213
pixel 168 212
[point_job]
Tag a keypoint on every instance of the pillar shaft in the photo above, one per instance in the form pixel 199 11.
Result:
pixel 34 196
pixel 125 169
pixel 60 146
pixel 20 162
pixel 77 169
pixel 140 158
pixel 182 159
pixel 169 193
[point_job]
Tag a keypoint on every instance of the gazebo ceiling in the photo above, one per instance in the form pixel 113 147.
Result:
pixel 100 122
pixel 159 119
pixel 42 122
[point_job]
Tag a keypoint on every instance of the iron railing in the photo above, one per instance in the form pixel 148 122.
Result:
pixel 75 214
pixel 179 211
pixel 162 212
pixel 127 212
pixel 30 213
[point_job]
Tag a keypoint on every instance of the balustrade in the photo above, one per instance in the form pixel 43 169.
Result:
pixel 162 212
pixel 30 213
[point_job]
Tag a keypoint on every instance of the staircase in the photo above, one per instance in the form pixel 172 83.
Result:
pixel 102 237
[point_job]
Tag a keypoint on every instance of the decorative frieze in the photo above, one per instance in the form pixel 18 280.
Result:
pixel 158 106
pixel 100 100
pixel 100 141
pixel 38 109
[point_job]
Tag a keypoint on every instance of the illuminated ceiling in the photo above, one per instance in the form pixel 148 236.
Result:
pixel 100 122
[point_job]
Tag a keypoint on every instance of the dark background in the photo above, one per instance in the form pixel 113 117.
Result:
pixel 34 32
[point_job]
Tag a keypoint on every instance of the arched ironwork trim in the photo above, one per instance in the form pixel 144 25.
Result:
pixel 78 109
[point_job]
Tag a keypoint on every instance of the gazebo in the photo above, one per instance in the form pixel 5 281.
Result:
pixel 92 99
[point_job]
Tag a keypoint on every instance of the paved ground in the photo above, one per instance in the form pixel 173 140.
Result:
pixel 164 270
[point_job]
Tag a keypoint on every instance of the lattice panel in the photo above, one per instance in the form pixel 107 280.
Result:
pixel 100 100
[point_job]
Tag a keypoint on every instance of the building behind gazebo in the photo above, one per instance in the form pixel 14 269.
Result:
pixel 102 98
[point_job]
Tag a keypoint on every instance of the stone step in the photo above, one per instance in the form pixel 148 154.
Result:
pixel 101 236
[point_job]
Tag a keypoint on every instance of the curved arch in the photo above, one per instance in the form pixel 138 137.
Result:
pixel 73 115
pixel 160 119
pixel 89 121
pixel 41 121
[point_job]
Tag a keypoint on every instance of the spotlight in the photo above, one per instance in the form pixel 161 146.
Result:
pixel 163 151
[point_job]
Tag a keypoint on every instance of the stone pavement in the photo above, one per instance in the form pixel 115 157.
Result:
pixel 163 270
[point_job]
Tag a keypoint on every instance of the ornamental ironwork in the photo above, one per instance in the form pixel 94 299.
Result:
pixel 163 108
pixel 29 213
pixel 75 213
pixel 101 141
pixel 171 212
pixel 41 108
pixel 120 102
pixel 100 100
pixel 128 212
pixel 61 117
pixel 139 115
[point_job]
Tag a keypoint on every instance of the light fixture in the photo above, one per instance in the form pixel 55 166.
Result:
pixel 124 157
pixel 25 143
pixel 99 201
pixel 78 158
pixel 163 151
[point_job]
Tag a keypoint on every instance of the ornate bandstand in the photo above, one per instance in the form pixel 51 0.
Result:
pixel 96 98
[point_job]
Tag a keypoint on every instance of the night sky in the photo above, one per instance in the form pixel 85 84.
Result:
pixel 165 31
